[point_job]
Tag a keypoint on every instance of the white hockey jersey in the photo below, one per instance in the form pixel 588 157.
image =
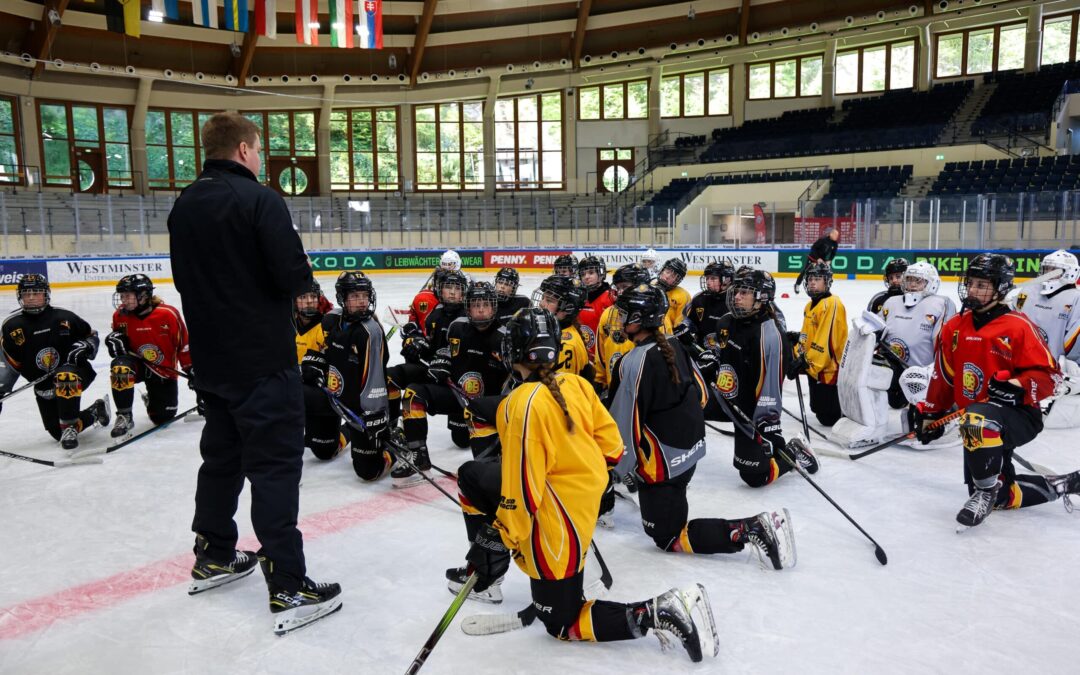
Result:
pixel 910 331
pixel 1057 316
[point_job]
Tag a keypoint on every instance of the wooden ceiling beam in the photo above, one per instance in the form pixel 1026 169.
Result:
pixel 39 47
pixel 422 31
pixel 242 64
pixel 584 8
pixel 744 21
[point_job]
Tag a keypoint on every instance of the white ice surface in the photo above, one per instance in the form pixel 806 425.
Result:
pixel 94 560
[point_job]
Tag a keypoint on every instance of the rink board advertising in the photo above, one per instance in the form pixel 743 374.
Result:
pixel 13 270
pixel 335 261
pixel 948 263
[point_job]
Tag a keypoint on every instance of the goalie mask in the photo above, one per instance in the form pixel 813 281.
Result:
pixel 919 281
pixel 1059 260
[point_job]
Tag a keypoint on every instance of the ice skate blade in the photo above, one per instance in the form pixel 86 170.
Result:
pixel 202 585
pixel 408 481
pixel 293 619
pixel 606 520
pixel 697 601
pixel 491 595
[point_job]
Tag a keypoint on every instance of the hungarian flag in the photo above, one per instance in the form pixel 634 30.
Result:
pixel 123 16
pixel 204 13
pixel 266 18
pixel 307 22
pixel 236 15
pixel 341 23
pixel 167 8
pixel 370 26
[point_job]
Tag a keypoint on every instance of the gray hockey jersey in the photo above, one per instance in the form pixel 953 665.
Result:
pixel 1057 317
pixel 910 331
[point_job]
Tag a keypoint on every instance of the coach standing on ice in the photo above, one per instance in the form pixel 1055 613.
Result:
pixel 823 250
pixel 238 264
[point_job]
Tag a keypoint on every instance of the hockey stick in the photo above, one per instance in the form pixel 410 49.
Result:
pixel 722 432
pixel 803 421
pixel 802 406
pixel 747 427
pixel 58 463
pixel 441 627
pixel 159 368
pixel 113 448
pixel 940 422
pixel 25 386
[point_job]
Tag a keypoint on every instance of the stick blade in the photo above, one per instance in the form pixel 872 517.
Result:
pixel 880 553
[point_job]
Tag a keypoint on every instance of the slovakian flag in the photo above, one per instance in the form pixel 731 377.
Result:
pixel 370 25
pixel 236 15
pixel 307 22
pixel 266 18
pixel 341 23
pixel 204 13
pixel 123 16
pixel 167 8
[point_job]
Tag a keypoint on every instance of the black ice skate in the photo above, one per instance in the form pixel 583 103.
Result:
pixel 456 577
pixel 673 614
pixel 101 410
pixel 207 573
pixel 978 507
pixel 69 438
pixel 772 537
pixel 409 460
pixel 800 451
pixel 124 425
pixel 296 609
pixel 1065 485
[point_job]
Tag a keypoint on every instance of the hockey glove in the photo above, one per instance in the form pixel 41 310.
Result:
pixel 1004 390
pixel 709 364
pixel 769 430
pixel 117 344
pixel 376 424
pixel 630 481
pixel 919 421
pixel 82 351
pixel 439 367
pixel 314 368
pixel 607 500
pixel 488 557
pixel 411 329
pixel 190 372
pixel 797 367
pixel 415 348
pixel 683 333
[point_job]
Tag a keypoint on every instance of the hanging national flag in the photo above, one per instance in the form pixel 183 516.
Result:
pixel 123 16
pixel 204 13
pixel 370 26
pixel 307 22
pixel 341 23
pixel 266 18
pixel 236 15
pixel 167 8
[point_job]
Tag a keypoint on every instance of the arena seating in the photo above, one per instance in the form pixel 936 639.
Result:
pixel 1041 177
pixel 677 190
pixel 1023 102
pixel 848 185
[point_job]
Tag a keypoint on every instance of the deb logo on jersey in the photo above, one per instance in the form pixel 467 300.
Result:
pixel 151 353
pixel 727 382
pixel 588 336
pixel 334 381
pixel 47 359
pixel 971 380
pixel 472 384
pixel 900 348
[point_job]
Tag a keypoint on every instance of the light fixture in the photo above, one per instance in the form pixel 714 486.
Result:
pixel 314 25
pixel 155 16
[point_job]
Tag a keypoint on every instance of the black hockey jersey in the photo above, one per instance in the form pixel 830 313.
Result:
pixel 357 354
pixel 475 365
pixel 705 310
pixel 878 301
pixel 436 325
pixel 35 344
pixel 507 308
pixel 754 355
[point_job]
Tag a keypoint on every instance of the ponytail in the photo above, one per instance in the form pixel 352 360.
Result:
pixel 547 377
pixel 155 301
pixel 669 356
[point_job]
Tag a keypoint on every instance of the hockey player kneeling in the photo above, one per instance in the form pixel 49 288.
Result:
pixel 559 443
pixel 992 362
pixel 824 332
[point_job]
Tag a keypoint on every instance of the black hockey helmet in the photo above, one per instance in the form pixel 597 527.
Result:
pixel 452 278
pixel 569 294
pixel 997 268
pixel 643 304
pixel 565 265
pixel 532 337
pixel 140 285
pixel 819 269
pixel 595 264
pixel 633 274
pixel 309 310
pixel 481 295
pixel 352 281
pixel 721 269
pixel 507 275
pixel 33 283
pixel 678 268
pixel 758 282
pixel 895 266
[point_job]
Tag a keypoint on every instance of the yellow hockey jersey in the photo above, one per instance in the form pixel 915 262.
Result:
pixel 607 348
pixel 312 337
pixel 552 478
pixel 573 356
pixel 824 334
pixel 678 303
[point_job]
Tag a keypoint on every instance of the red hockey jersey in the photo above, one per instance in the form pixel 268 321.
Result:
pixel 422 305
pixel 965 358
pixel 589 317
pixel 160 337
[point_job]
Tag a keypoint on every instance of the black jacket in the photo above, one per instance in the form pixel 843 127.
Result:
pixel 823 249
pixel 237 263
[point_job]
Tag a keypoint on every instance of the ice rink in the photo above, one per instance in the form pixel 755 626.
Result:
pixel 95 560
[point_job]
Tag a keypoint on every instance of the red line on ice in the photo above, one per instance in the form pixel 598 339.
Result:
pixel 29 616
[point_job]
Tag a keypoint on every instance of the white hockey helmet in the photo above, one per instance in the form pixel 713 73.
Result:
pixel 1059 260
pixel 916 272
pixel 450 261
pixel 649 255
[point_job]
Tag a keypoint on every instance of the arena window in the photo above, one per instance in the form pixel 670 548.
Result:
pixel 784 78
pixel 614 101
pixel 85 146
pixel 529 142
pixel 173 148
pixel 11 170
pixel 1059 39
pixel 979 50
pixel 876 68
pixel 449 146
pixel 696 94
pixel 364 149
